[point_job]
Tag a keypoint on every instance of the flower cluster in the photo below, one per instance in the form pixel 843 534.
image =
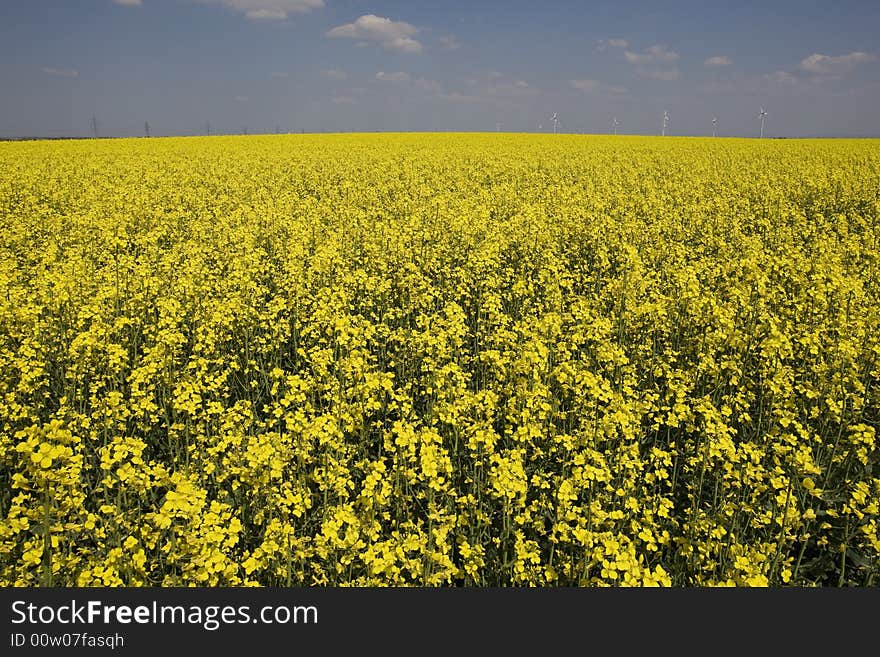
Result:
pixel 474 360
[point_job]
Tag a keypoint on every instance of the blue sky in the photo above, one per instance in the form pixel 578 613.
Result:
pixel 373 65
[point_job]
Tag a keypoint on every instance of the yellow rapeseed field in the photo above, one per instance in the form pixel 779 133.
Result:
pixel 439 360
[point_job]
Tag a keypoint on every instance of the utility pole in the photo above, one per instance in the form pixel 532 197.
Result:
pixel 208 128
pixel 147 128
pixel 94 127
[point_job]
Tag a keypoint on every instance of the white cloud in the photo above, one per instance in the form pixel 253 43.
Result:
pixel 278 74
pixel 343 100
pixel 449 42
pixel 267 14
pixel 128 3
pixel 268 9
pixel 398 76
pixel 404 44
pixel 585 85
pixel 653 55
pixel 240 99
pixel 334 74
pixel 835 65
pixel 654 63
pixel 508 89
pixel 605 44
pixel 427 85
pixel 781 77
pixel 494 85
pixel 60 72
pixel 718 61
pixel 456 97
pixel 393 35
pixel 665 75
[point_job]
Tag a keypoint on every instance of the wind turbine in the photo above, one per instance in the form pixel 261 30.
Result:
pixel 555 119
pixel 763 114
pixel 665 122
pixel 714 126
pixel 615 123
